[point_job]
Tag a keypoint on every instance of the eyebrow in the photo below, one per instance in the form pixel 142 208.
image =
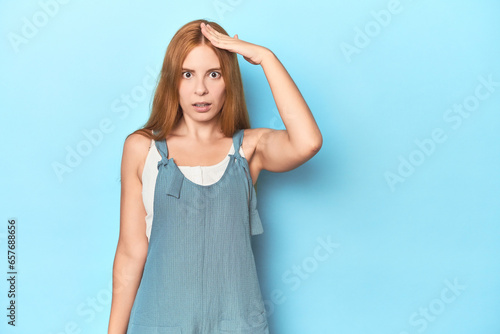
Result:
pixel 209 70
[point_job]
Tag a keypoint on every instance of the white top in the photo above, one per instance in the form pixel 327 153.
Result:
pixel 202 175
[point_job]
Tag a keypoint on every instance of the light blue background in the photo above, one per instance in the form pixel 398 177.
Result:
pixel 396 249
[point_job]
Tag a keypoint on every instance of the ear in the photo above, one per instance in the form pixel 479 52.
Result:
pixel 236 36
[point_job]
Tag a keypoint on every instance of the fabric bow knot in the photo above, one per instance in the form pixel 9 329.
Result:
pixel 174 185
pixel 162 162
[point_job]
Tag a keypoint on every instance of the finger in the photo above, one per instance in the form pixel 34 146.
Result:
pixel 210 28
pixel 218 39
pixel 209 32
pixel 204 26
pixel 214 33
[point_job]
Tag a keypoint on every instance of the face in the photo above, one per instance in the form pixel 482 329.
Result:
pixel 201 89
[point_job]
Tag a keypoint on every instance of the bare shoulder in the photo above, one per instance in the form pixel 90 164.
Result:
pixel 274 150
pixel 250 139
pixel 133 239
pixel 253 136
pixel 256 133
pixel 135 151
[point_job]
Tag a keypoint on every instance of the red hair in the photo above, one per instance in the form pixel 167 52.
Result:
pixel 166 111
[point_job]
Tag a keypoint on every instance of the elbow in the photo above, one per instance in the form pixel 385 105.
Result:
pixel 311 149
pixel 136 251
pixel 316 144
pixel 308 148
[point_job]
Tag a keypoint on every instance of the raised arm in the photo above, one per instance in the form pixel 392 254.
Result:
pixel 277 150
pixel 132 245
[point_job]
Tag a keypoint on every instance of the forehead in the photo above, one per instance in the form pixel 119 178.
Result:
pixel 201 57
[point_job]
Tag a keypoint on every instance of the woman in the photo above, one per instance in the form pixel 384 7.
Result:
pixel 190 268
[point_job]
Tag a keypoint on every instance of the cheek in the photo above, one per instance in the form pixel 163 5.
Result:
pixel 183 93
pixel 221 92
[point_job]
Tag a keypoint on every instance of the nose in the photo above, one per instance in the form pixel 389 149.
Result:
pixel 201 87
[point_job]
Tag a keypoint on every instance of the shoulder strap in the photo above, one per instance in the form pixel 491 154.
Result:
pixel 237 140
pixel 162 147
pixel 173 186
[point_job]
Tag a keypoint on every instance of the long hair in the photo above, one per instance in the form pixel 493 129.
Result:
pixel 166 111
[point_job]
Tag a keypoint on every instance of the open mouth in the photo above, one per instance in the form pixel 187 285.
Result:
pixel 202 107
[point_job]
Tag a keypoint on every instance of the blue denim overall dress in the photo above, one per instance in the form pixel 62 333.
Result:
pixel 200 275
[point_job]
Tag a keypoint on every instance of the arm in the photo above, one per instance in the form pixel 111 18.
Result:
pixel 277 150
pixel 132 245
pixel 284 150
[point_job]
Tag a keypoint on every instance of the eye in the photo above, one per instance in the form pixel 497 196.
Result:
pixel 215 75
pixel 186 75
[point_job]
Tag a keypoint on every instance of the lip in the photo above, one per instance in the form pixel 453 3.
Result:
pixel 202 109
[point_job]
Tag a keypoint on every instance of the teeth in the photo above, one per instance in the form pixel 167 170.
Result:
pixel 201 104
